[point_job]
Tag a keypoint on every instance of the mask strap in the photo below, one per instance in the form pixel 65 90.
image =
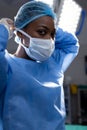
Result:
pixel 16 29
pixel 21 44
pixel 27 35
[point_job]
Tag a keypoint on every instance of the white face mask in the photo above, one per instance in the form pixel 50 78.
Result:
pixel 39 49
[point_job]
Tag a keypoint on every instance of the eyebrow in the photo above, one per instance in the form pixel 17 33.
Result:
pixel 44 26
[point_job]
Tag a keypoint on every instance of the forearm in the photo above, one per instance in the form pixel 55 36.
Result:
pixel 3 61
pixel 66 42
pixel 66 48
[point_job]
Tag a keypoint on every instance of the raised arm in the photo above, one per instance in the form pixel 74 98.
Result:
pixel 3 62
pixel 5 34
pixel 66 41
pixel 66 48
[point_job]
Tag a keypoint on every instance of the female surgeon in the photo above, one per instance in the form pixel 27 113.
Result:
pixel 31 80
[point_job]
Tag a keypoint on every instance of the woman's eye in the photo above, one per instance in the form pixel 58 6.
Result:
pixel 42 32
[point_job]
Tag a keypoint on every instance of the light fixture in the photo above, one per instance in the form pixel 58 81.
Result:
pixel 69 16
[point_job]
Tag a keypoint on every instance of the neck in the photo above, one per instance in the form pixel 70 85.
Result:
pixel 20 52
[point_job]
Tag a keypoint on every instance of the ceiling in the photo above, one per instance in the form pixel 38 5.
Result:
pixel 82 3
pixel 12 6
pixel 15 2
pixel 18 3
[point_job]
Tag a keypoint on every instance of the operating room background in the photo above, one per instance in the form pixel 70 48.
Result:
pixel 76 73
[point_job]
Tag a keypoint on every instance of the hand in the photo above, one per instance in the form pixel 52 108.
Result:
pixel 9 24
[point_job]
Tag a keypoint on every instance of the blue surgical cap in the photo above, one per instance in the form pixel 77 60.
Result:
pixel 31 11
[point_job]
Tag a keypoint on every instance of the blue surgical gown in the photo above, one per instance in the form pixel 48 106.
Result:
pixel 31 93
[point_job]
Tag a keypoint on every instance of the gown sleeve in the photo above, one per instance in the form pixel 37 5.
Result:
pixel 3 61
pixel 66 48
